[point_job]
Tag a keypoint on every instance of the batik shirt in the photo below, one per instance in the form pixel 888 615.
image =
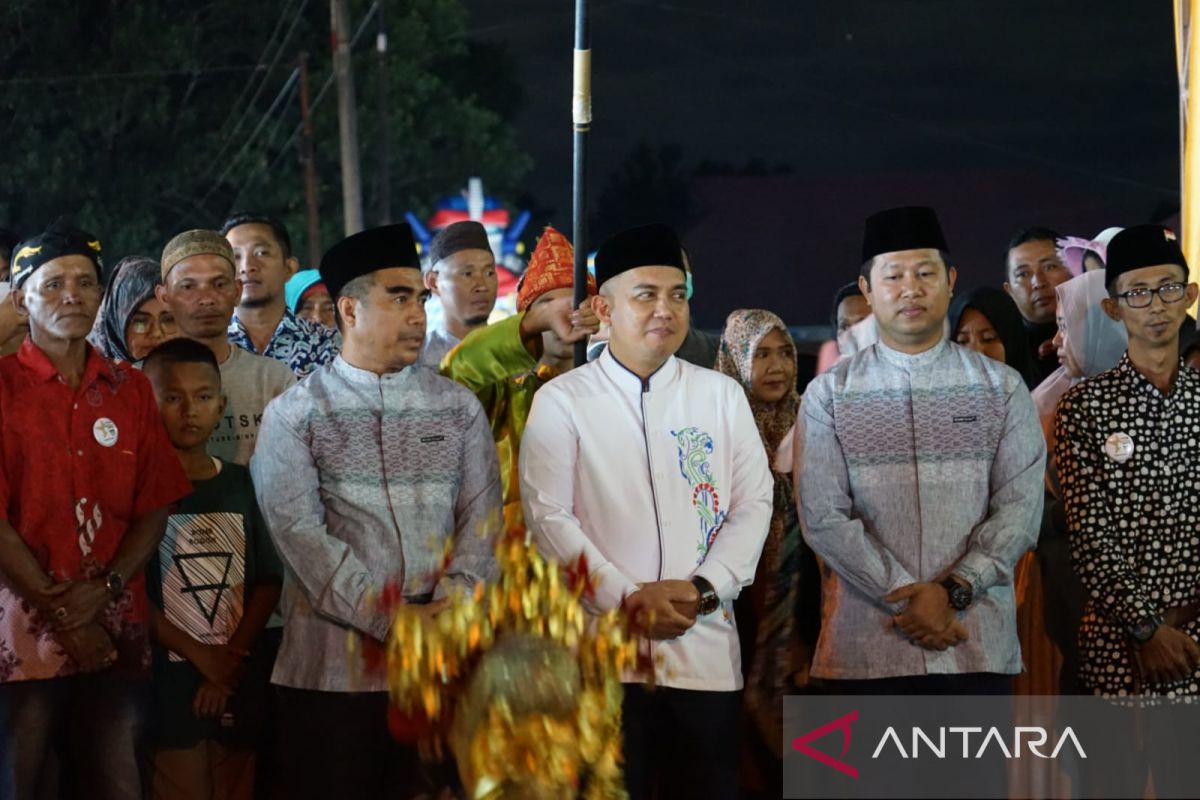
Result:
pixel 78 467
pixel 911 468
pixel 301 345
pixel 1129 466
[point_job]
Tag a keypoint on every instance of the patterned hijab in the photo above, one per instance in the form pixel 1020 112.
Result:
pixel 744 329
pixel 132 283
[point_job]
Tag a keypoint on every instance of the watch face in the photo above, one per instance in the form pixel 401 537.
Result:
pixel 1143 630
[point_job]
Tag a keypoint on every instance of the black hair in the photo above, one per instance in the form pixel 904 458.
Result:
pixel 849 290
pixel 254 218
pixel 181 351
pixel 1033 233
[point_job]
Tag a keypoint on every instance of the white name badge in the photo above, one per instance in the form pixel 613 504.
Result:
pixel 105 431
pixel 1119 447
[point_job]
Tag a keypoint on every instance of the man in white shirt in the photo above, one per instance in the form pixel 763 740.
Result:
pixel 653 469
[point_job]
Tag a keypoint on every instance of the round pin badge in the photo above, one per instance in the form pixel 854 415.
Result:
pixel 105 431
pixel 1119 447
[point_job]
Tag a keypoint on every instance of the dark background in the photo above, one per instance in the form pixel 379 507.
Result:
pixel 770 129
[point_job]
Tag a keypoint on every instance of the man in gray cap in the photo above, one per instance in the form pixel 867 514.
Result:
pixel 201 288
pixel 462 275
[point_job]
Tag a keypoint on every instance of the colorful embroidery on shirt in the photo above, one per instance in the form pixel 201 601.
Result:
pixel 695 447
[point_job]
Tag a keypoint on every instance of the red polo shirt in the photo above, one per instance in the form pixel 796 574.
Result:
pixel 77 467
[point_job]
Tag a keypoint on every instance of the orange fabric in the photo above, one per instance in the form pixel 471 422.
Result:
pixel 552 266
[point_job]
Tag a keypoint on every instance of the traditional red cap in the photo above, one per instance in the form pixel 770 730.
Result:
pixel 552 266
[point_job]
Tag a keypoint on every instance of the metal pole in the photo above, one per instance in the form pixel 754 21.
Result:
pixel 581 117
pixel 352 211
pixel 310 170
pixel 385 181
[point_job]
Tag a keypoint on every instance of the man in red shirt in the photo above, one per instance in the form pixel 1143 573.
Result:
pixel 86 476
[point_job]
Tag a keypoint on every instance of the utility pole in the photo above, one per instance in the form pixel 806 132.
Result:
pixel 581 120
pixel 310 170
pixel 385 180
pixel 352 210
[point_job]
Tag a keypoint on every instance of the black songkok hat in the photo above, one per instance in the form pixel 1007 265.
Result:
pixel 466 235
pixel 904 228
pixel 1142 246
pixel 58 240
pixel 368 251
pixel 654 245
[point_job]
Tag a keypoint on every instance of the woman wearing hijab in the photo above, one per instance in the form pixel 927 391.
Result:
pixel 132 321
pixel 987 321
pixel 1088 342
pixel 308 298
pixel 779 616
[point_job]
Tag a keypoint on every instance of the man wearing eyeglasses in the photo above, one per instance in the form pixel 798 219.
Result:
pixel 1128 454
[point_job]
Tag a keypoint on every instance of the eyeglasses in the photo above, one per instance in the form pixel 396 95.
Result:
pixel 1142 298
pixel 142 325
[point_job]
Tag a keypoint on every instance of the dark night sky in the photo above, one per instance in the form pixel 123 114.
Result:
pixel 1079 97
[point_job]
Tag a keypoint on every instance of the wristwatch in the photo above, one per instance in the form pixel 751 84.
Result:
pixel 114 583
pixel 1144 629
pixel 709 602
pixel 960 595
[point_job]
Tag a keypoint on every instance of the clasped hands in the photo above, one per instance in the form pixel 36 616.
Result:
pixel 73 607
pixel 928 619
pixel 663 609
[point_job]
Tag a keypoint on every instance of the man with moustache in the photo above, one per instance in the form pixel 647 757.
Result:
pixel 462 274
pixel 1130 474
pixel 201 288
pixel 263 323
pixel 654 470
pixel 371 473
pixel 919 467
pixel 1032 271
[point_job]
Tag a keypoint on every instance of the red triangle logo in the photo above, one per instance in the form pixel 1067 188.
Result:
pixel 801 744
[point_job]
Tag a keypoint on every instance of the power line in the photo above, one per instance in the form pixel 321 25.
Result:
pixel 362 27
pixel 279 98
pixel 101 76
pixel 232 136
pixel 261 58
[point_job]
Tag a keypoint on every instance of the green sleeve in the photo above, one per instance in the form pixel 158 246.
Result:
pixel 489 355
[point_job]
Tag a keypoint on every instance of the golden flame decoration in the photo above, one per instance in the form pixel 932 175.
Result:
pixel 523 682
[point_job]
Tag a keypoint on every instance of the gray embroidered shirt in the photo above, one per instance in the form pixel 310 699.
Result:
pixel 362 479
pixel 910 468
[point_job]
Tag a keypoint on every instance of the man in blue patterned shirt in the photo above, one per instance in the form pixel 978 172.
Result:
pixel 262 323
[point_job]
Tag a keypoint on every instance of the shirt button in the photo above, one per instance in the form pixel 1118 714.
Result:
pixel 78 452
